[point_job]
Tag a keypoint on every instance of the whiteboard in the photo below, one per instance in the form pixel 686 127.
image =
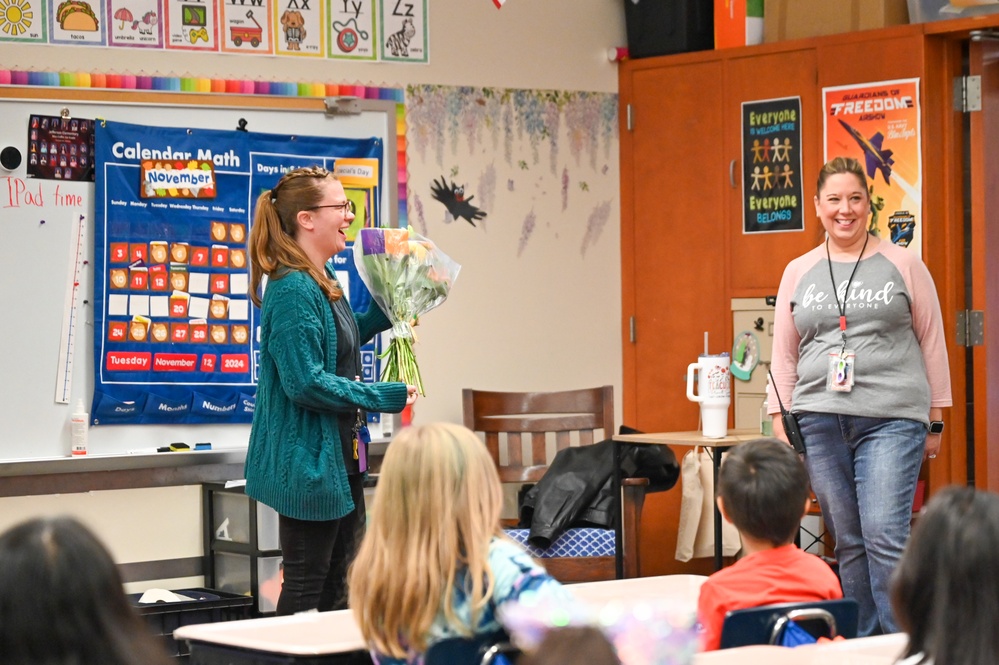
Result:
pixel 37 221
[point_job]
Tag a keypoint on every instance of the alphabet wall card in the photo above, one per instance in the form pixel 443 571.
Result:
pixel 78 22
pixel 23 21
pixel 301 27
pixel 247 27
pixel 135 23
pixel 192 25
pixel 354 30
pixel 405 31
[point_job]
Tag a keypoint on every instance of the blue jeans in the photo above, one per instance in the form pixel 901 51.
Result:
pixel 864 472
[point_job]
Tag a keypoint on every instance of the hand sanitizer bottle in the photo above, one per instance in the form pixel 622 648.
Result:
pixel 78 429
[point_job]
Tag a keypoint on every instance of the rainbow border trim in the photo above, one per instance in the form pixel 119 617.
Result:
pixel 228 86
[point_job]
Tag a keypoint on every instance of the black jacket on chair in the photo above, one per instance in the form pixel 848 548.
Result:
pixel 577 489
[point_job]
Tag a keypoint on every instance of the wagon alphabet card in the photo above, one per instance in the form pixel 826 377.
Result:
pixel 247 26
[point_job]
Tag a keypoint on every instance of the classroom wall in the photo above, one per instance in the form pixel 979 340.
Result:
pixel 537 305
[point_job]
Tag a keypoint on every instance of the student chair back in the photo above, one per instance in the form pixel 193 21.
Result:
pixel 466 650
pixel 766 624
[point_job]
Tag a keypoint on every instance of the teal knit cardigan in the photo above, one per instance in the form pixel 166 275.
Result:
pixel 294 463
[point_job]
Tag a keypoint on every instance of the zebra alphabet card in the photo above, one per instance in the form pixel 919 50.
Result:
pixel 404 31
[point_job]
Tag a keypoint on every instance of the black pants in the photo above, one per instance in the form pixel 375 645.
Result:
pixel 316 557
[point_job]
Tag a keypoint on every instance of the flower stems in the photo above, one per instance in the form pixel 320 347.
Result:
pixel 400 363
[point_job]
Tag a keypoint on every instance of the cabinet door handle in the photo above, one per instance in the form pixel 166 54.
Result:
pixel 731 173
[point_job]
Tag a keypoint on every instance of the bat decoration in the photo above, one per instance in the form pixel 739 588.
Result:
pixel 453 198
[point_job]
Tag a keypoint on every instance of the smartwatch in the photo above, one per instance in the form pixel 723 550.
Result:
pixel 936 426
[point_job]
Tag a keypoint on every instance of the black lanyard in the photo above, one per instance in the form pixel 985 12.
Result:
pixel 842 305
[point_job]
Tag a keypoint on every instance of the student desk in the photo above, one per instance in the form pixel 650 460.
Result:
pixel 877 650
pixel 333 638
pixel 680 589
pixel 317 638
pixel 694 438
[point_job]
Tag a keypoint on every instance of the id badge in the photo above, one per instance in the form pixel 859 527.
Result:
pixel 840 376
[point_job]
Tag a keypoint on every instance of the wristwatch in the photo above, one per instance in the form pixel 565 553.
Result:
pixel 936 426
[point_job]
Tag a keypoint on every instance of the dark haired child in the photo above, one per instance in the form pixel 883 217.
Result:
pixel 763 491
pixel 62 602
pixel 945 590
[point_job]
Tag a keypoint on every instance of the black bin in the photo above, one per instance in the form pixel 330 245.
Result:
pixel 206 606
pixel 662 27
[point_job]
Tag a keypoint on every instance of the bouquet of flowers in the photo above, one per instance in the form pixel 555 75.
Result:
pixel 407 276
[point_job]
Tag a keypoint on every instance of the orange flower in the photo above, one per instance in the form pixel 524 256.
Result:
pixel 396 242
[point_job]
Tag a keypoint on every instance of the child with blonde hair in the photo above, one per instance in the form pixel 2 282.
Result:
pixel 434 563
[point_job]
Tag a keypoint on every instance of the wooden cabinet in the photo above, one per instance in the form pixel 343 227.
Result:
pixel 678 210
pixel 684 254
pixel 756 261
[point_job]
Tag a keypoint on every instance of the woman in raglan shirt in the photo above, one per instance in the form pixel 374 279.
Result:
pixel 859 357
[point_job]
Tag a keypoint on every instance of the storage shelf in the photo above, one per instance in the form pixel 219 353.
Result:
pixel 249 562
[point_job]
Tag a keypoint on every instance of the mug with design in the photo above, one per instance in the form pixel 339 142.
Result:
pixel 714 392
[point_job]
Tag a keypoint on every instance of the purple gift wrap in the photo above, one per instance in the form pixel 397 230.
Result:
pixel 372 241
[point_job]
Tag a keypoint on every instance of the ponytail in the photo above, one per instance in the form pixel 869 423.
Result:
pixel 272 247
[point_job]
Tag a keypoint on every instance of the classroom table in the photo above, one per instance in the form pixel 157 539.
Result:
pixel 688 438
pixel 315 638
pixel 877 650
pixel 333 638
pixel 682 590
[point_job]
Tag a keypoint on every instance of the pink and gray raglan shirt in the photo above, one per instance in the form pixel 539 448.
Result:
pixel 893 324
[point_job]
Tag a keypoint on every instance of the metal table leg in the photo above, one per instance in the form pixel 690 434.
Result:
pixel 715 466
pixel 618 531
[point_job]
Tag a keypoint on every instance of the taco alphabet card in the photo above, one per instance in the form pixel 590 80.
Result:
pixel 78 22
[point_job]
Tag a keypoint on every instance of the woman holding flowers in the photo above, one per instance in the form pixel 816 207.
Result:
pixel 306 458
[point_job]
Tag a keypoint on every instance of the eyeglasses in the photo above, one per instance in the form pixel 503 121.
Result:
pixel 346 206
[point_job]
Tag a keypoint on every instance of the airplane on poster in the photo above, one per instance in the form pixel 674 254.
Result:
pixel 876 158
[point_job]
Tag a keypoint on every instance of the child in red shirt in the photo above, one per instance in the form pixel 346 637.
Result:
pixel 763 491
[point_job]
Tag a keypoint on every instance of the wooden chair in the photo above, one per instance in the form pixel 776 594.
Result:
pixel 571 417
